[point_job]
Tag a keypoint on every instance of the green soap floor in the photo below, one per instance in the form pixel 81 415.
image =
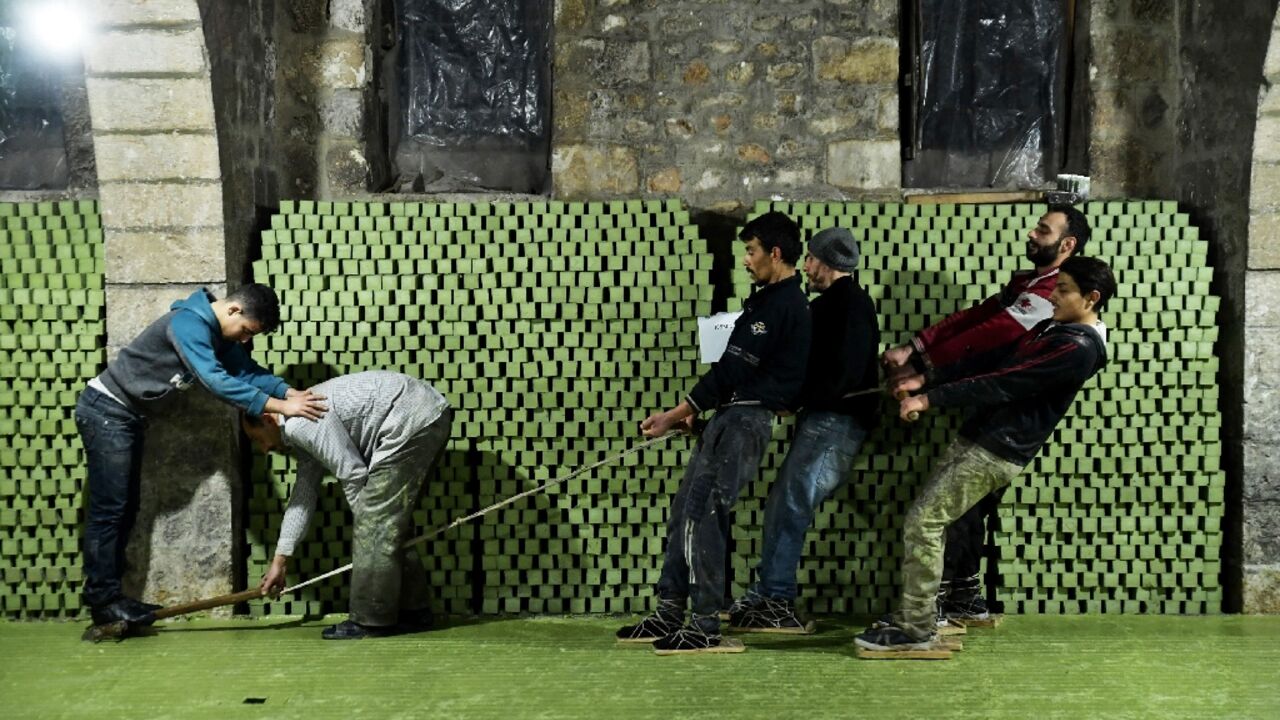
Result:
pixel 1033 666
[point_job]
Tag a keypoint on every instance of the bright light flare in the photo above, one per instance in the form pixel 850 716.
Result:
pixel 54 27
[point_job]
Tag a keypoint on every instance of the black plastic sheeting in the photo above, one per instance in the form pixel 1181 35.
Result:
pixel 475 94
pixel 988 103
pixel 33 154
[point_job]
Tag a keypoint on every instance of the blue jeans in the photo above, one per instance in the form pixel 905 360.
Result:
pixel 112 435
pixel 726 457
pixel 818 462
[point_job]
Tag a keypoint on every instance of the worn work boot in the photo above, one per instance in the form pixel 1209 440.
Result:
pixel 741 606
pixel 665 620
pixel 126 609
pixel 352 630
pixel 964 604
pixel 692 639
pixel 771 616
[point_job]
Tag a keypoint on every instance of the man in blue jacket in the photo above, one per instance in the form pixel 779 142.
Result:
pixel 760 373
pixel 199 341
pixel 1019 393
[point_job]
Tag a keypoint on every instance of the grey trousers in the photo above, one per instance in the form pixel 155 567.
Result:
pixel 964 475
pixel 385 578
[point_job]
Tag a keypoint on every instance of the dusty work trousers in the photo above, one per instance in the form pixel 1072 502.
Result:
pixel 963 476
pixel 385 577
pixel 726 458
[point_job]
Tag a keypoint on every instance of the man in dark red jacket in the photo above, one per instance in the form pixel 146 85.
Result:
pixel 1000 320
pixel 1018 393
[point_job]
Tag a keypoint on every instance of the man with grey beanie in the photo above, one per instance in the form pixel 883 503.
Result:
pixel 830 429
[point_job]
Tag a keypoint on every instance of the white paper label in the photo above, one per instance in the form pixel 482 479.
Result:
pixel 713 334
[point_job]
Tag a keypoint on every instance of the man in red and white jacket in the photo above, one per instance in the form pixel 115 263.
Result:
pixel 999 320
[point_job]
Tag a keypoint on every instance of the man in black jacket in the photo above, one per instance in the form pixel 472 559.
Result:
pixel 1019 394
pixel 760 374
pixel 830 429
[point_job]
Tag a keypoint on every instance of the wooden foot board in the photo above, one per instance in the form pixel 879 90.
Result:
pixel 938 653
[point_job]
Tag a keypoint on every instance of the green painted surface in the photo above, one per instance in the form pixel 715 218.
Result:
pixel 1071 667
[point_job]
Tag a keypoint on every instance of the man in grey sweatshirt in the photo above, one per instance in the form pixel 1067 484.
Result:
pixel 200 341
pixel 382 436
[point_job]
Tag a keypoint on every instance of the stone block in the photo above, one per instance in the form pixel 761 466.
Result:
pixel 131 308
pixel 611 63
pixel 783 72
pixel 710 180
pixel 161 206
pixel 113 13
pixel 1136 55
pixel 572 110
pixel 1262 300
pixel 1271 64
pixel 796 177
pixel 865 164
pixel 1261 531
pixel 184 545
pixel 343 63
pixel 696 73
pixel 587 170
pixel 1261 472
pixel 182 256
pixel 887 112
pixel 1264 186
pixel 347 170
pixel 1269 100
pixel 342 114
pixel 1153 11
pixel 163 156
pixel 753 153
pixel 1261 589
pixel 1264 241
pixel 665 182
pixel 866 60
pixel 180 52
pixel 571 15
pixel 740 73
pixel 1266 140
pixel 350 15
pixel 151 104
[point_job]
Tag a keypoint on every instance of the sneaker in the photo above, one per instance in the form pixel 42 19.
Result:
pixel 964 605
pixel 690 639
pixel 891 638
pixel 770 616
pixel 668 618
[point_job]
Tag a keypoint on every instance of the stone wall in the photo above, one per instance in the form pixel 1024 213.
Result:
pixel 328 99
pixel 1260 491
pixel 162 209
pixel 722 103
pixel 243 60
pixel 1173 92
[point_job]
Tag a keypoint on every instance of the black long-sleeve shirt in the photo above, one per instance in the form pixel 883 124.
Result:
pixel 842 356
pixel 765 359
pixel 1019 392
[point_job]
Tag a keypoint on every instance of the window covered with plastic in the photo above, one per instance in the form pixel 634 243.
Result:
pixel 33 153
pixel 988 88
pixel 474 79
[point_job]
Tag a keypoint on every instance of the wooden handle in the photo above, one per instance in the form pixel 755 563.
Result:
pixel 911 416
pixel 208 603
